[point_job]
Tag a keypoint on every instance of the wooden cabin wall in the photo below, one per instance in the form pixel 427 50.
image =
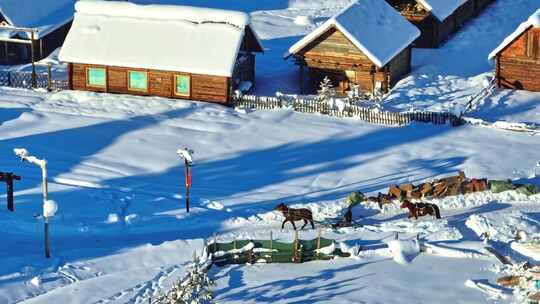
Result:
pixel 480 5
pixel 463 14
pixel 210 88
pixel 444 30
pixel 400 66
pixel 52 41
pixel 428 27
pixel 335 56
pixel 244 70
pixel 518 66
pixel 16 53
pixel 160 83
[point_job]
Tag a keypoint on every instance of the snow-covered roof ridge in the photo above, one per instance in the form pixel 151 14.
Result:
pixel 45 15
pixel 532 21
pixel 441 9
pixel 373 26
pixel 196 15
pixel 159 37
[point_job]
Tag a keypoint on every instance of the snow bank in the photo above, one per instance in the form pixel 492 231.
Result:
pixel 364 22
pixel 529 249
pixel 404 251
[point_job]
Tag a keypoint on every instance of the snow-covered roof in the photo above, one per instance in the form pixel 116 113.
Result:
pixel 533 21
pixel 162 37
pixel 441 9
pixel 45 15
pixel 373 26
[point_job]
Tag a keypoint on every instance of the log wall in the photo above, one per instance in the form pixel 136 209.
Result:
pixel 335 56
pixel 160 83
pixel 518 65
pixel 433 31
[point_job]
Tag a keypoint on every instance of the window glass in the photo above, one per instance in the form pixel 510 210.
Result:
pixel 182 85
pixel 97 77
pixel 138 80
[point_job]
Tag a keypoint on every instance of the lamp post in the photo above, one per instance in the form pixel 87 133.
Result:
pixel 49 207
pixel 187 155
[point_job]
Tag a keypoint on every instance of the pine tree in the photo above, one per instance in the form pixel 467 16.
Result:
pixel 327 90
pixel 194 288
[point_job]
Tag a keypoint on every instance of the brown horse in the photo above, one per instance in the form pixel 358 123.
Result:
pixel 421 209
pixel 292 215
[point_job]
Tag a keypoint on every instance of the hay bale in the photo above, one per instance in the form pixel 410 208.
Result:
pixel 395 192
pixel 508 281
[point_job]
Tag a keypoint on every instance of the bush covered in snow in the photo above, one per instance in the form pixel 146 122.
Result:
pixel 194 288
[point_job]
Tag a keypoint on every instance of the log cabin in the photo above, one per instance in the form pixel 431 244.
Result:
pixel 160 50
pixel 517 58
pixel 367 44
pixel 436 19
pixel 51 18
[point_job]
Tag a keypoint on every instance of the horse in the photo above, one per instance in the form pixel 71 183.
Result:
pixel 421 209
pixel 292 215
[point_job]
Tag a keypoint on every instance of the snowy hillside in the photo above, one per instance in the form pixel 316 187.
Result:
pixel 121 232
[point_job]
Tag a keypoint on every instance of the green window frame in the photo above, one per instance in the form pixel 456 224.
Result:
pixel 96 77
pixel 182 85
pixel 138 81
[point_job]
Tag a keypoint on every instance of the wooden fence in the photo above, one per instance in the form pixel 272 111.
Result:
pixel 344 109
pixel 44 80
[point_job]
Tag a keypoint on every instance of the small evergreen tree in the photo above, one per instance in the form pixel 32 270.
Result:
pixel 327 90
pixel 194 288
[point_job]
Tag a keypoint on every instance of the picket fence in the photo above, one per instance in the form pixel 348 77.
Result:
pixel 376 116
pixel 44 80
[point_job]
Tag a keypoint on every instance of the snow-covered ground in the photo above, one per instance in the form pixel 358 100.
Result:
pixel 121 231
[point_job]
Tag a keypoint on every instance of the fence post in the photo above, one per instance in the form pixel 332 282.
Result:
pixel 271 246
pixel 319 241
pixel 215 242
pixel 49 75
pixel 295 247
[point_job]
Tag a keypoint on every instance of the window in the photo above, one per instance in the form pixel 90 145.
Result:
pixel 138 81
pixel 96 77
pixel 182 85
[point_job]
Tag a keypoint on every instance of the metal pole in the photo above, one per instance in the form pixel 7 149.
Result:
pixel 187 185
pixel 45 199
pixel 33 55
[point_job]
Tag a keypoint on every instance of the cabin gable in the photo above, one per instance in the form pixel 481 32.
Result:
pixel 332 43
pixel 251 43
pixel 518 63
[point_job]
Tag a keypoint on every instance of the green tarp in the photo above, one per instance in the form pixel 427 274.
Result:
pixel 506 185
pixel 527 189
pixel 498 186
pixel 355 198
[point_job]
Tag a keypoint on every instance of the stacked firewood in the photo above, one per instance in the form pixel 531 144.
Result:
pixel 449 186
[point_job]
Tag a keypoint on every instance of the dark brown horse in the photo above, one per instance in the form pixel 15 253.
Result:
pixel 421 209
pixel 293 215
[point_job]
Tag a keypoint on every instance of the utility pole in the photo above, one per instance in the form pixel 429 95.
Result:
pixel 187 155
pixel 49 207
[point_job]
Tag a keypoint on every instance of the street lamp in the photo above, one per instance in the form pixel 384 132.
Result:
pixel 187 155
pixel 49 207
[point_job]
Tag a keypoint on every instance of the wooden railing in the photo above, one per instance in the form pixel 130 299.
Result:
pixel 344 109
